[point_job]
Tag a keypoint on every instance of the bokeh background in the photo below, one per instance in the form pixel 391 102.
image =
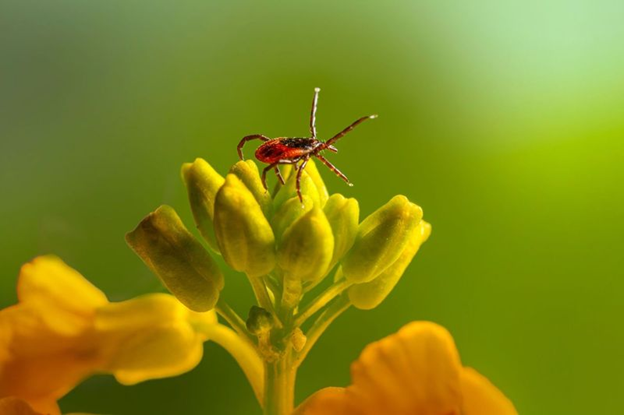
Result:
pixel 504 120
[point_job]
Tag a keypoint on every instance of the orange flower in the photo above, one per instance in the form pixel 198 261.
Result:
pixel 416 371
pixel 64 329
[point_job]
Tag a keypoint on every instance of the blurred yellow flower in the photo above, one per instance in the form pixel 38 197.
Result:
pixel 15 406
pixel 416 371
pixel 64 329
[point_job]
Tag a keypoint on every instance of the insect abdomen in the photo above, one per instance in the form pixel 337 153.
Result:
pixel 283 148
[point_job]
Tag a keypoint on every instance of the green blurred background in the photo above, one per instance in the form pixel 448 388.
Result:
pixel 504 120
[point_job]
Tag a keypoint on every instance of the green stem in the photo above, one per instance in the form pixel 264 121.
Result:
pixel 290 299
pixel 273 285
pixel 336 308
pixel 233 319
pixel 321 301
pixel 245 355
pixel 279 386
pixel 263 298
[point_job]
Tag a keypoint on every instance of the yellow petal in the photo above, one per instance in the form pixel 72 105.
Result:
pixel 151 336
pixel 45 406
pixel 66 299
pixel 413 372
pixel 42 379
pixel 15 406
pixel 328 401
pixel 146 311
pixel 481 397
pixel 156 353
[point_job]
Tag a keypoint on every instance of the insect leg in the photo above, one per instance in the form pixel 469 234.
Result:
pixel 299 171
pixel 346 130
pixel 279 175
pixel 249 138
pixel 334 169
pixel 277 172
pixel 264 173
pixel 313 113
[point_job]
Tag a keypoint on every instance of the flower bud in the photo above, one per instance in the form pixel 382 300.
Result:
pixel 307 247
pixel 285 171
pixel 369 295
pixel 343 216
pixel 314 174
pixel 202 183
pixel 381 239
pixel 259 321
pixel 288 213
pixel 247 172
pixel 177 258
pixel 289 190
pixel 243 233
pixel 298 339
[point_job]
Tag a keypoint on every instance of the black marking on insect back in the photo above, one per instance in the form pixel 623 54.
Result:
pixel 303 143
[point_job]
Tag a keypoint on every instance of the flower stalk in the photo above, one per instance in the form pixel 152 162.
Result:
pixel 279 390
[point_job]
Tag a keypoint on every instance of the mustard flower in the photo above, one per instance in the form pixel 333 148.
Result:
pixel 64 329
pixel 416 371
pixel 286 247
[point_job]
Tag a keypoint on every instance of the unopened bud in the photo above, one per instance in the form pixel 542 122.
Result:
pixel 381 239
pixel 247 172
pixel 177 258
pixel 259 321
pixel 243 233
pixel 307 247
pixel 298 339
pixel 289 190
pixel 343 216
pixel 314 174
pixel 369 295
pixel 202 184
pixel 288 213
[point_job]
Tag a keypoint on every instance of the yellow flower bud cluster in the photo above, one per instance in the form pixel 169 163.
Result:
pixel 284 245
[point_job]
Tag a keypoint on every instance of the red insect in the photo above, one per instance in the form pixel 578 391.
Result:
pixel 292 150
